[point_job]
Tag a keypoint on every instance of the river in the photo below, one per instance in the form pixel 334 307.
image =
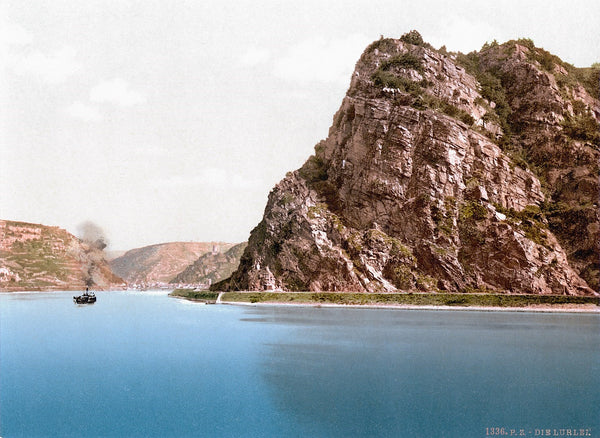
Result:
pixel 142 364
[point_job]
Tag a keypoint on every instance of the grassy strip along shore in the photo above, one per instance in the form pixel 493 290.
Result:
pixel 204 296
pixel 376 299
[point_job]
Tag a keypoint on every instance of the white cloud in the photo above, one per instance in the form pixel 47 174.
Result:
pixel 255 56
pixel 53 68
pixel 116 91
pixel 318 59
pixel 83 111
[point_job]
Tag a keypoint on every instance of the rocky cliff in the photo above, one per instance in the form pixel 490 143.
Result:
pixel 211 267
pixel 442 172
pixel 162 262
pixel 39 257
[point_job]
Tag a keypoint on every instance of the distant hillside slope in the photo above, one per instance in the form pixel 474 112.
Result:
pixel 39 257
pixel 212 267
pixel 161 262
pixel 113 254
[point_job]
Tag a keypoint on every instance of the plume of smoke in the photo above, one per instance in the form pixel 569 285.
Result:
pixel 92 234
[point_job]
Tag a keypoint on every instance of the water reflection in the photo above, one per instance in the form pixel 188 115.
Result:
pixel 346 372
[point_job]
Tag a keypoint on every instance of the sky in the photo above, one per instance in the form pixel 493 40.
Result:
pixel 164 121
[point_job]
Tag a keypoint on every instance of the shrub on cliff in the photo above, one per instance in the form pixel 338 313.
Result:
pixel 406 60
pixel 582 127
pixel 492 87
pixel 413 37
pixel 383 78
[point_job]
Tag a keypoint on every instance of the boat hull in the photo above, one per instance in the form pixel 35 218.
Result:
pixel 84 299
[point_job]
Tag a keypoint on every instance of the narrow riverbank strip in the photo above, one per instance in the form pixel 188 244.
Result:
pixel 420 300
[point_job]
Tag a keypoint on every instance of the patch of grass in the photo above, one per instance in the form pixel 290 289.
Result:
pixel 287 199
pixel 546 59
pixel 588 77
pixel 472 210
pixel 195 295
pixel 406 60
pixel 427 283
pixel 402 277
pixel 420 99
pixel 492 88
pixel 583 127
pixel 518 156
pixel 443 218
pixel 314 170
pixel 531 220
pixel 382 78
pixel 425 101
pixel 295 284
pixel 413 37
pixel 453 111
pixel 355 243
pixel 469 214
pixel 337 223
pixel 418 299
pixel 396 248
pixel 382 44
pixel 316 211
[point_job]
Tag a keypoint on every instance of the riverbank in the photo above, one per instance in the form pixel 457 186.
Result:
pixel 17 290
pixel 421 301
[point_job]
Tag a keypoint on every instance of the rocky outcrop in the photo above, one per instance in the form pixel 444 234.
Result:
pixel 211 267
pixel 554 113
pixel 418 186
pixel 39 257
pixel 160 263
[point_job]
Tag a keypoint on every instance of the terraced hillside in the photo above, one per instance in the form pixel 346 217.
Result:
pixel 39 257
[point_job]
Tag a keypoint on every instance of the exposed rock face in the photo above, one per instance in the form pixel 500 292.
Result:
pixel 411 190
pixel 160 263
pixel 38 257
pixel 211 267
pixel 554 117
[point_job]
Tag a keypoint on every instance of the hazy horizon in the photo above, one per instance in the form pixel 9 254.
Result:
pixel 164 122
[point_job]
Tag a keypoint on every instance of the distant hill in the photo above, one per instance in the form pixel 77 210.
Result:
pixel 162 262
pixel 113 254
pixel 211 267
pixel 40 257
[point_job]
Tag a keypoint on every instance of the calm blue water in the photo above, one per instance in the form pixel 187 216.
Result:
pixel 146 365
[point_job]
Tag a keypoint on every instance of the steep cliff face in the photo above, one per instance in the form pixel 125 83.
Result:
pixel 38 257
pixel 419 185
pixel 554 113
pixel 160 263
